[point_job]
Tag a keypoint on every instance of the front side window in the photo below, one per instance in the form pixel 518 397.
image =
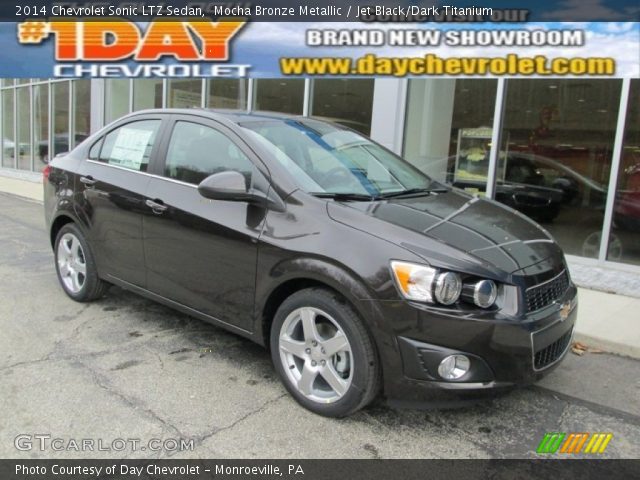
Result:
pixel 329 159
pixel 197 151
pixel 130 145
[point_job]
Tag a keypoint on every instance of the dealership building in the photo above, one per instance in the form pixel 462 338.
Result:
pixel 564 151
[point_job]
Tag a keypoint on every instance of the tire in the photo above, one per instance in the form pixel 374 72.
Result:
pixel 76 266
pixel 338 374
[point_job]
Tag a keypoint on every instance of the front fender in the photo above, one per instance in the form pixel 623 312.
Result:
pixel 294 274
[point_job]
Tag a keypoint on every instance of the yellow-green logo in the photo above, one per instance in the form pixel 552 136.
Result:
pixel 573 443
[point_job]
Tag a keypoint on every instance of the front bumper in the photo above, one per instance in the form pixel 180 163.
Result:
pixel 503 352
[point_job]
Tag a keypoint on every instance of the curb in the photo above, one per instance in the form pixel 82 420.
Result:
pixel 607 346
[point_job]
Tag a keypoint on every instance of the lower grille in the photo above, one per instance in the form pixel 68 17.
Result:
pixel 548 355
pixel 546 293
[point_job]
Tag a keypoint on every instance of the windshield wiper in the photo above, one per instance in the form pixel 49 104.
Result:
pixel 345 196
pixel 414 191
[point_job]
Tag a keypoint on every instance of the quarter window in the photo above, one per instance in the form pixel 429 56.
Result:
pixel 197 151
pixel 130 145
pixel 94 153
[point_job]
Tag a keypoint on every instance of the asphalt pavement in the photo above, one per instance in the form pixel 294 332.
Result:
pixel 125 368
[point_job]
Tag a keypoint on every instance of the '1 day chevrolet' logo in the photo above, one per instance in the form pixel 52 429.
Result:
pixel 128 49
pixel 574 443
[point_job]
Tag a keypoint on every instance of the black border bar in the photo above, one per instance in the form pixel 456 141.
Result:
pixel 556 469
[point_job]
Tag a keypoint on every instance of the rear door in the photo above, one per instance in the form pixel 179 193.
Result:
pixel 111 184
pixel 202 253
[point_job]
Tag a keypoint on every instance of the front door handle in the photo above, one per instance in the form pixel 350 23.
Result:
pixel 89 181
pixel 157 206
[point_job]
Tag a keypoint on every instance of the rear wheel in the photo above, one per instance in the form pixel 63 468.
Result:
pixel 323 353
pixel 76 266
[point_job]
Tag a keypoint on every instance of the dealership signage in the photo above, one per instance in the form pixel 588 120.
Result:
pixel 158 47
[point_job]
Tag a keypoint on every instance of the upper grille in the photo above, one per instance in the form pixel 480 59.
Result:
pixel 548 355
pixel 539 296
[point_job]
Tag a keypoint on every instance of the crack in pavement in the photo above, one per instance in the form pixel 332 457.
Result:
pixel 154 352
pixel 131 402
pixel 589 405
pixel 58 345
pixel 199 440
pixel 28 362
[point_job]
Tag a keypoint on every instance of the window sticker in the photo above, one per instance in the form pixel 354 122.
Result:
pixel 130 148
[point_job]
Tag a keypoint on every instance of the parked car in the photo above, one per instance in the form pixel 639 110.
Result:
pixel 360 273
pixel 627 207
pixel 9 148
pixel 60 145
pixel 535 185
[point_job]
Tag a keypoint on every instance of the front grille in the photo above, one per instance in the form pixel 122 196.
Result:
pixel 549 354
pixel 539 296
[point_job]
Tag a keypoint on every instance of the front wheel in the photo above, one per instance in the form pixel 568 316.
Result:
pixel 76 266
pixel 324 354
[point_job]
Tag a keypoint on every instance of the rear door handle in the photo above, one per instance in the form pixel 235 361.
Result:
pixel 89 181
pixel 157 206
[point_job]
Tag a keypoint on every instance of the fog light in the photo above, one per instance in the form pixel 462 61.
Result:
pixel 453 367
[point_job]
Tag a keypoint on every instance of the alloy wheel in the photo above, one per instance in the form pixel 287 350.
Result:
pixel 316 355
pixel 72 266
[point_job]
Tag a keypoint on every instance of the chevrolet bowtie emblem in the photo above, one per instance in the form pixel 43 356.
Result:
pixel 565 310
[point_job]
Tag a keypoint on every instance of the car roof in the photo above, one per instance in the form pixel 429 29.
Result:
pixel 233 116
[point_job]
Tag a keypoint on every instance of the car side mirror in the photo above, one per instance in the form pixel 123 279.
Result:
pixel 232 187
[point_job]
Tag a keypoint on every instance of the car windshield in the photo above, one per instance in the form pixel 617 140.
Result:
pixel 327 159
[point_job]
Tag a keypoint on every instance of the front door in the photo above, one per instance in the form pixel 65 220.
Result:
pixel 202 253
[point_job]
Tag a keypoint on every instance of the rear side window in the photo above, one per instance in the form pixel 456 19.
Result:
pixel 197 151
pixel 130 145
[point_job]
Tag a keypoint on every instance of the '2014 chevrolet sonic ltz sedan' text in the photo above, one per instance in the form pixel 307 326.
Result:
pixel 359 272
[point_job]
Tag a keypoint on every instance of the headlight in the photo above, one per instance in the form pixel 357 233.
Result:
pixel 448 287
pixel 483 293
pixel 426 284
pixel 414 281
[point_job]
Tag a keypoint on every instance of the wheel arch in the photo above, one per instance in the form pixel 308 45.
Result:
pixel 57 224
pixel 315 273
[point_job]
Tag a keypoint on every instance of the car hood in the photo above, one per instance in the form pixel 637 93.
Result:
pixel 455 228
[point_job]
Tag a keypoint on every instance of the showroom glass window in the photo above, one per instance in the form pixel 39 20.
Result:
pixel 60 99
pixel 185 94
pixel 624 238
pixel 279 95
pixel 116 98
pixel 448 129
pixel 345 101
pixel 81 111
pixel 23 125
pixel 227 93
pixel 40 125
pixel 197 151
pixel 556 155
pixel 8 133
pixel 147 93
pixel 130 145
